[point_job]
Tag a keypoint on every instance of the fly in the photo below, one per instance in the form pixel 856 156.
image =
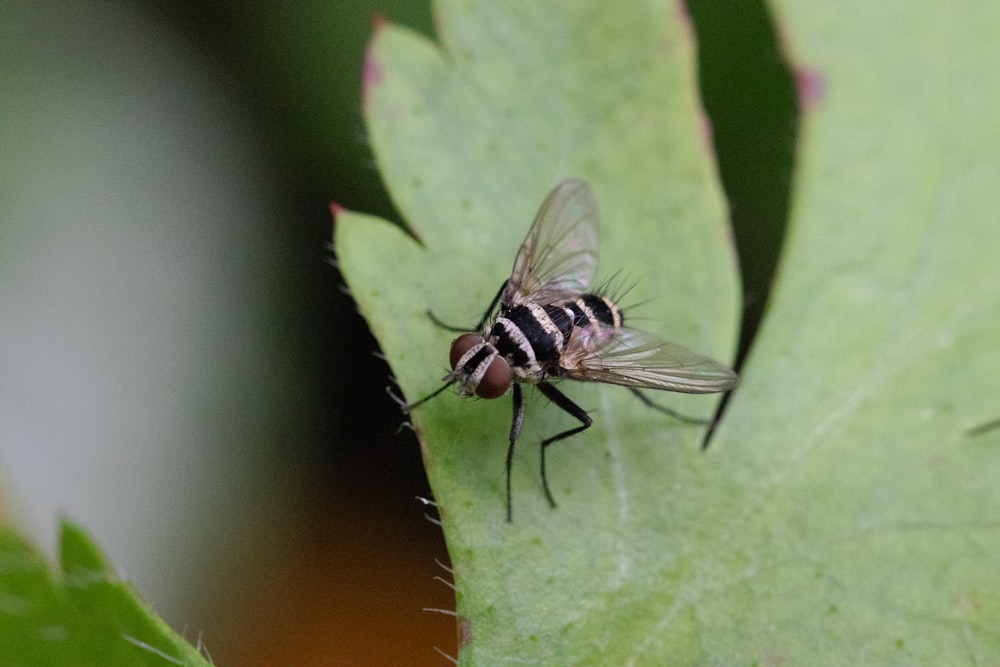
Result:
pixel 544 325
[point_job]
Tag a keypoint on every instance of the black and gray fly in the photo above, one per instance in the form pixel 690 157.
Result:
pixel 545 325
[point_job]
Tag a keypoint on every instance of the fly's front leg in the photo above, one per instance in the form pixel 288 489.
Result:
pixel 482 322
pixel 444 325
pixel 572 408
pixel 492 306
pixel 515 430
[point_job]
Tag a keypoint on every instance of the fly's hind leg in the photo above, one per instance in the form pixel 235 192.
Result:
pixel 667 411
pixel 679 416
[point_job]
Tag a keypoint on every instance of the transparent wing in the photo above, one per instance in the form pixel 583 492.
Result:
pixel 557 258
pixel 634 358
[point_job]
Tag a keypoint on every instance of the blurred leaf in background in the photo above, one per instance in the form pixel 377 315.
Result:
pixel 142 295
pixel 181 373
pixel 81 615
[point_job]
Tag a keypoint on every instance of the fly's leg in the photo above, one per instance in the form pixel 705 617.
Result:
pixel 515 430
pixel 482 322
pixel 570 407
pixel 667 411
pixel 444 325
pixel 492 306
pixel 406 407
pixel 982 428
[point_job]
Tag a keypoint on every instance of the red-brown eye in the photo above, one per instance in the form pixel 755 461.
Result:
pixel 496 380
pixel 461 345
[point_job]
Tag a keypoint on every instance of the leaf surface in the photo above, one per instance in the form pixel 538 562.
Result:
pixel 842 514
pixel 471 135
pixel 862 516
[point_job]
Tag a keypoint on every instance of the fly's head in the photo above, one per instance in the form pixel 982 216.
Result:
pixel 478 367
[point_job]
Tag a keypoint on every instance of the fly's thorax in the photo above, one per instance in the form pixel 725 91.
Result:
pixel 531 338
pixel 478 367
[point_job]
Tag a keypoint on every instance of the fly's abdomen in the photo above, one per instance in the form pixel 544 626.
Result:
pixel 593 310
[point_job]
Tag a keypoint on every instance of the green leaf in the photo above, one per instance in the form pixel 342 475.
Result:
pixel 861 515
pixel 842 514
pixel 83 616
pixel 471 135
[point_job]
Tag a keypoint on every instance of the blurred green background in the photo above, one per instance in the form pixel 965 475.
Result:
pixel 182 373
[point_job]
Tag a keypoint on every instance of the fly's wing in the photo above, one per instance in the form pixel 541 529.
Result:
pixel 557 258
pixel 634 358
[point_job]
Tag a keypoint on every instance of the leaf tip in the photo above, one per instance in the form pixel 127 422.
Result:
pixel 684 18
pixel 77 550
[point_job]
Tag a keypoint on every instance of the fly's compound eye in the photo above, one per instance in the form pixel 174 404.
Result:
pixel 496 379
pixel 493 379
pixel 461 345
